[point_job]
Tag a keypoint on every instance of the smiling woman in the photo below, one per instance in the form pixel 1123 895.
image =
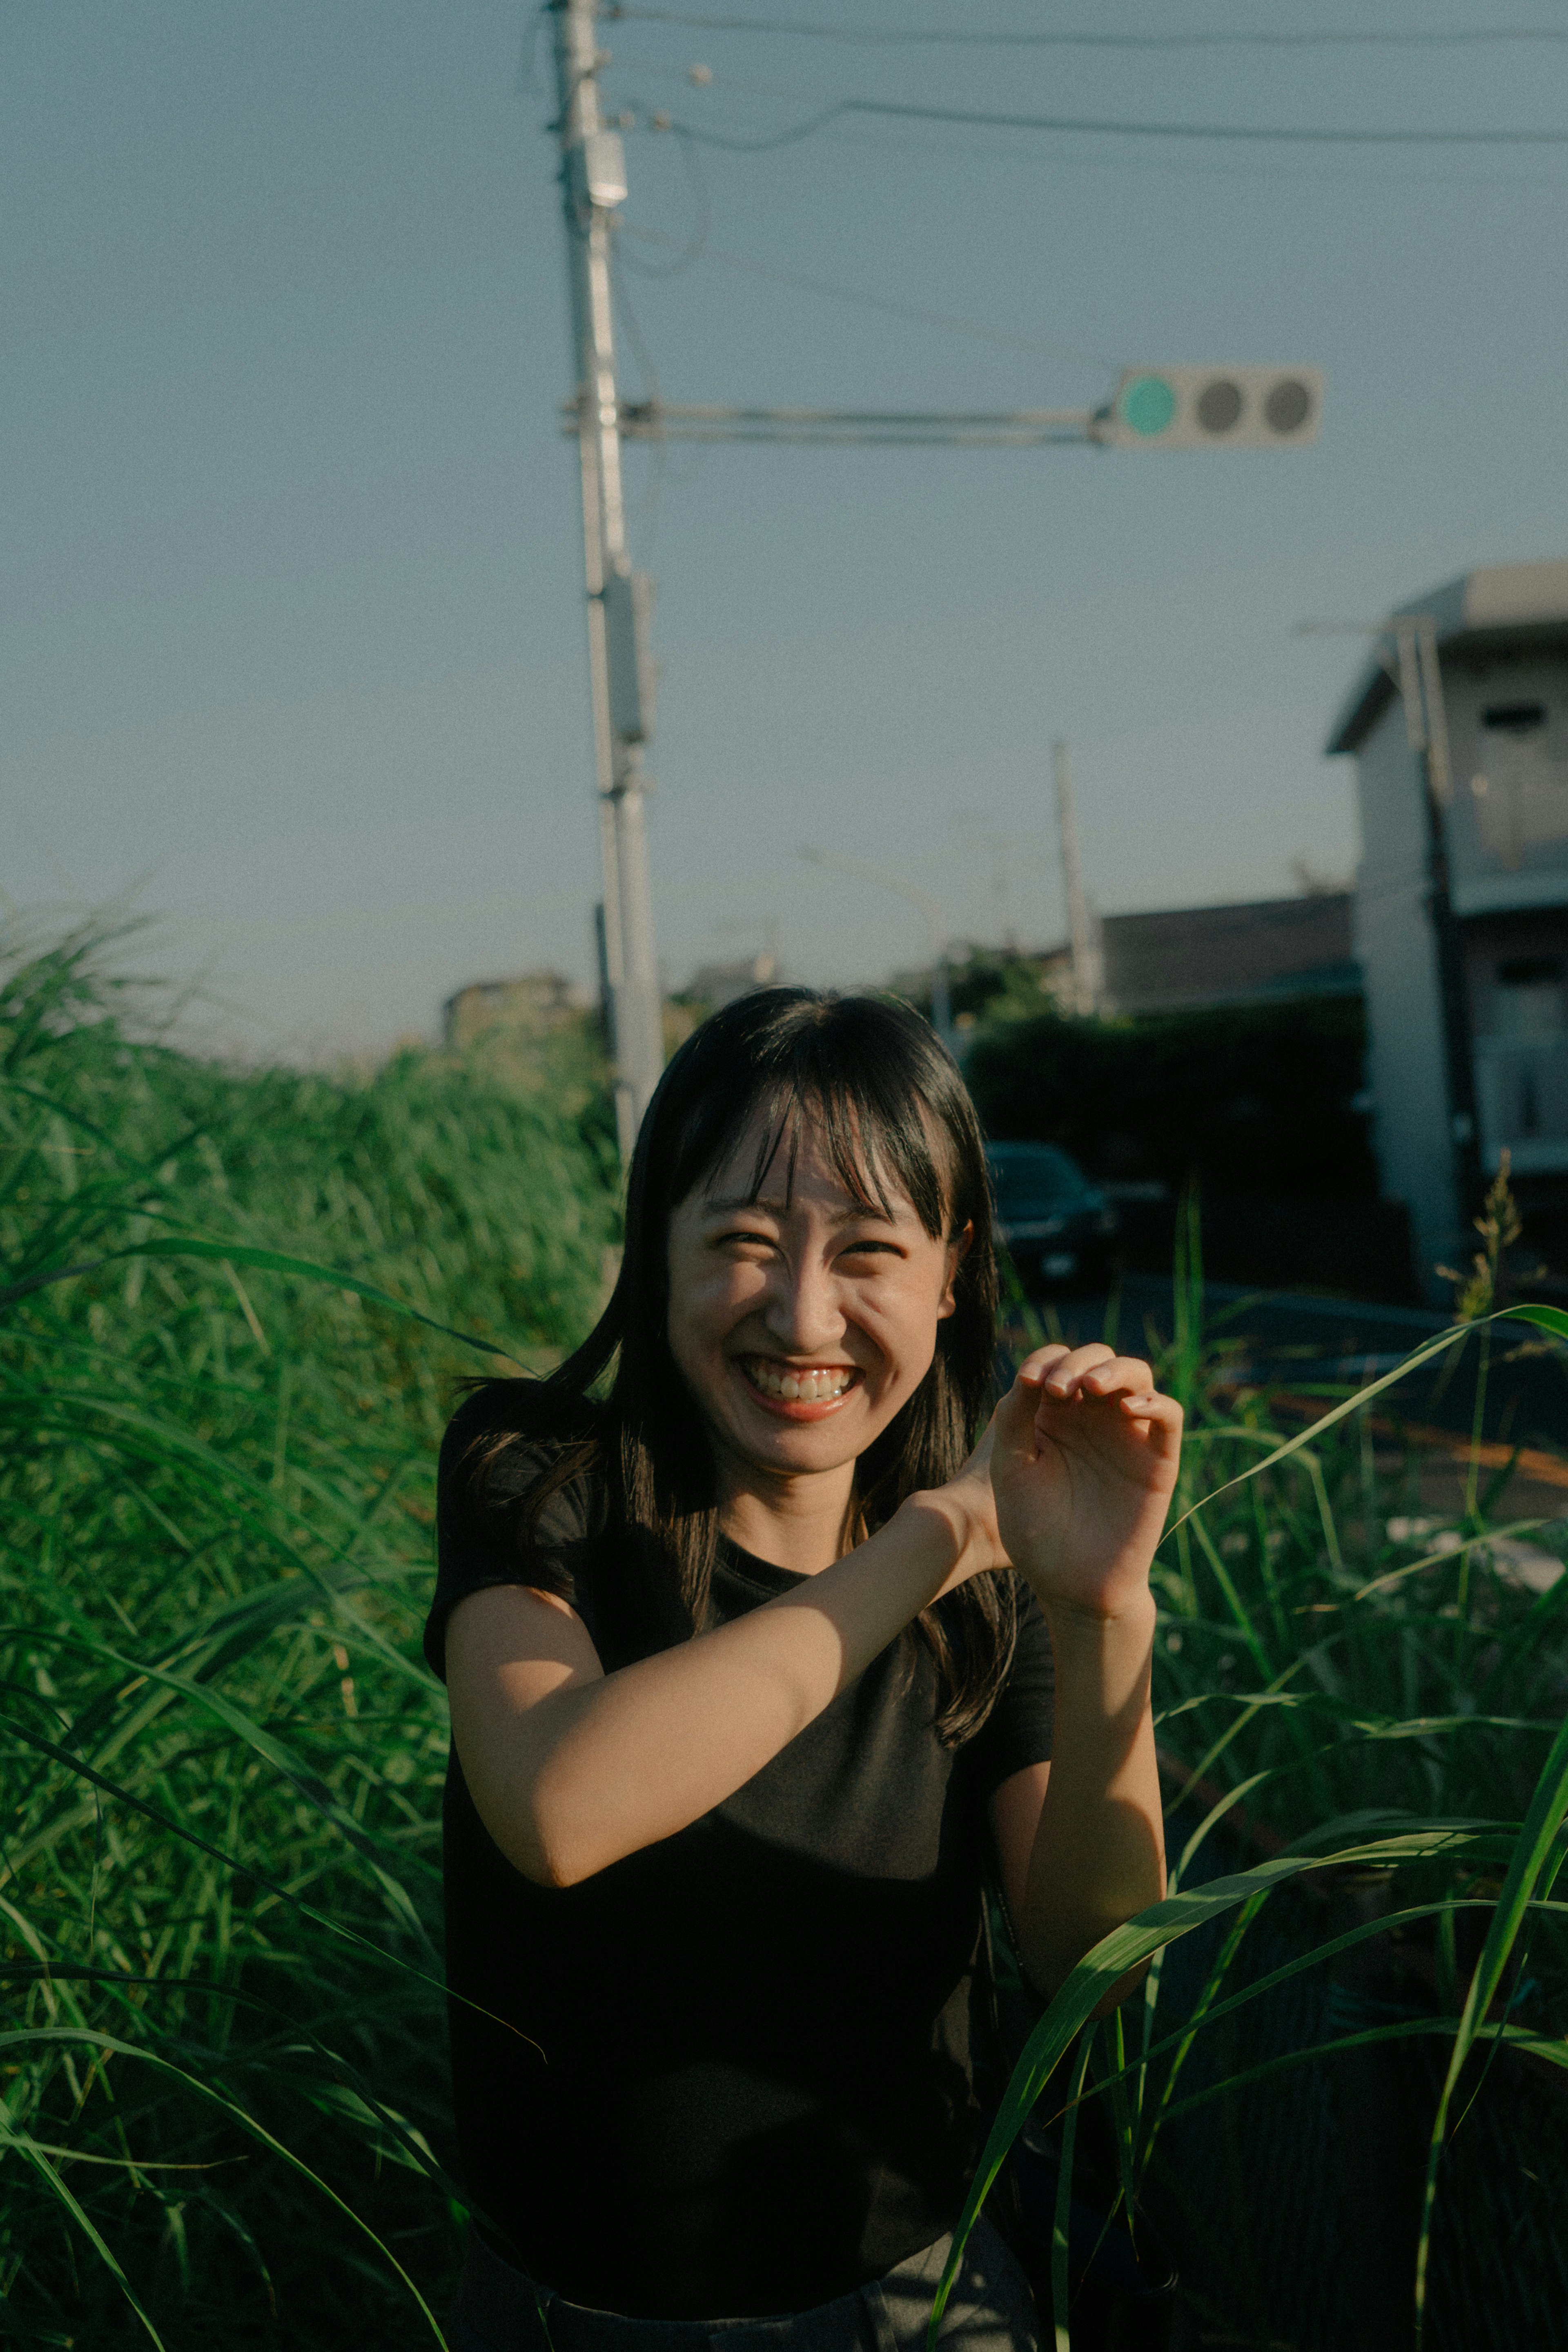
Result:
pixel 745 1693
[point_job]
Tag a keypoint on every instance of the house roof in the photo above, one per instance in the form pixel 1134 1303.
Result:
pixel 1505 604
pixel 1253 953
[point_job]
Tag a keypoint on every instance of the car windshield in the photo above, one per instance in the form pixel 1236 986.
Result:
pixel 1033 1175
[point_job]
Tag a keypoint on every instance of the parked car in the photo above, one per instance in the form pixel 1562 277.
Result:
pixel 1058 1228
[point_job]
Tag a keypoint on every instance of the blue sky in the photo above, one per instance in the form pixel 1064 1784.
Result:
pixel 290 619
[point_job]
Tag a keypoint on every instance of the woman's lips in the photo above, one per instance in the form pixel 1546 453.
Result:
pixel 753 1372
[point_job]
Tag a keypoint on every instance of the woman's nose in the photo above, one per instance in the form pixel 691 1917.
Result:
pixel 803 1314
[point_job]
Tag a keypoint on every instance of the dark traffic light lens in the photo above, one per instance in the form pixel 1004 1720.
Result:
pixel 1219 404
pixel 1289 406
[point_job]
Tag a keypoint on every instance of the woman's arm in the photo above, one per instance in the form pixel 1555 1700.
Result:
pixel 1083 1463
pixel 1080 1842
pixel 570 1768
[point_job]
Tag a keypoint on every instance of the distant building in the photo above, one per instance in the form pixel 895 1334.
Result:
pixel 524 1009
pixel 1462 909
pixel 1253 953
pixel 715 984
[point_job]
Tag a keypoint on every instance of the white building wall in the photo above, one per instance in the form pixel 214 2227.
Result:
pixel 1395 943
pixel 1507 825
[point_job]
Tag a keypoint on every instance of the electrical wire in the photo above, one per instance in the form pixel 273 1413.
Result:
pixel 635 336
pixel 690 248
pixel 873 37
pixel 975 119
pixel 1335 172
pixel 818 99
pixel 523 82
pixel 919 316
pixel 652 504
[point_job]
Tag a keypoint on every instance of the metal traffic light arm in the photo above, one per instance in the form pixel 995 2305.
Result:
pixel 654 420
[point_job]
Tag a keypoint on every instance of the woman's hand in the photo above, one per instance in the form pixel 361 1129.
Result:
pixel 1081 1457
pixel 967 1508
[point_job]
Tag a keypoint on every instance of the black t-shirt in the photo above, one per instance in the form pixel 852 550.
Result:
pixel 738 2080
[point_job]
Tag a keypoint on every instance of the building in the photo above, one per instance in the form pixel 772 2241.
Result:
pixel 1461 901
pixel 525 1009
pixel 712 985
pixel 1253 953
pixel 1178 960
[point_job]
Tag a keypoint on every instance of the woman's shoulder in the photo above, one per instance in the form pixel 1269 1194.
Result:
pixel 519 1498
pixel 509 1439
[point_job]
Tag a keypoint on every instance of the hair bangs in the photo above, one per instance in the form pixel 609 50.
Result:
pixel 877 1133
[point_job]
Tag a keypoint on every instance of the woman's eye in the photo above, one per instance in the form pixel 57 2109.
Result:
pixel 872 1249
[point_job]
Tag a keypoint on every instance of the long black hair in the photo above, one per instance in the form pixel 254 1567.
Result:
pixel 892 1113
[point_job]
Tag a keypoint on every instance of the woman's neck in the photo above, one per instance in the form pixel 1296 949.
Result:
pixel 799 1523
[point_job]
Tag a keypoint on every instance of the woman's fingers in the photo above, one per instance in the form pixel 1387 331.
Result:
pixel 1122 1374
pixel 1057 1369
pixel 1094 1371
pixel 1161 1418
pixel 1093 1374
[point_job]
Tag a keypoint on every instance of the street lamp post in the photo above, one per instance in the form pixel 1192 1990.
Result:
pixel 941 985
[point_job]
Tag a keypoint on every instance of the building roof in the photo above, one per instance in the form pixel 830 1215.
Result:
pixel 1254 953
pixel 1505 604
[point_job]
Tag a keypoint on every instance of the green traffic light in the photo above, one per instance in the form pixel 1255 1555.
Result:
pixel 1148 406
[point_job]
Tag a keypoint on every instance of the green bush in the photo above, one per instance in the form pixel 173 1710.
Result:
pixel 1239 1098
pixel 220 1890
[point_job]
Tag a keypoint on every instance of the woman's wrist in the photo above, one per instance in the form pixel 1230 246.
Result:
pixel 955 1527
pixel 1102 1662
pixel 1129 1616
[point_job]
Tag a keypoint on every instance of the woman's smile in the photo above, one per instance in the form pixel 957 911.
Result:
pixel 797 1391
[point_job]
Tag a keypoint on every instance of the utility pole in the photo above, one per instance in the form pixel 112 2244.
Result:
pixel 1080 924
pixel 593 183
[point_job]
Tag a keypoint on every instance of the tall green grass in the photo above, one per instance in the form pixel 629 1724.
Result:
pixel 1366 1711
pixel 222 2062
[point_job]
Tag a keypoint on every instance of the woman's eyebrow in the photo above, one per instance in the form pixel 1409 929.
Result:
pixel 853 1215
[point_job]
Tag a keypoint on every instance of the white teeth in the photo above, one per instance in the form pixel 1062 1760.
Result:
pixel 808 1388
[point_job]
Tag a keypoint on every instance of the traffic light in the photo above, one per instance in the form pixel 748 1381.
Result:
pixel 1214 408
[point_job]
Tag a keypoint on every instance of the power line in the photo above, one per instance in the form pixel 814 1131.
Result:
pixel 1292 135
pixel 819 98
pixel 919 316
pixel 1261 168
pixel 686 249
pixel 876 38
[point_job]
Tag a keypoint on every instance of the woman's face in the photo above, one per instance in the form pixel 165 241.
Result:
pixel 802 1326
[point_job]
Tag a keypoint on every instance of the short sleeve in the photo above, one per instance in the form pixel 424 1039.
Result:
pixel 1016 1732
pixel 486 1474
